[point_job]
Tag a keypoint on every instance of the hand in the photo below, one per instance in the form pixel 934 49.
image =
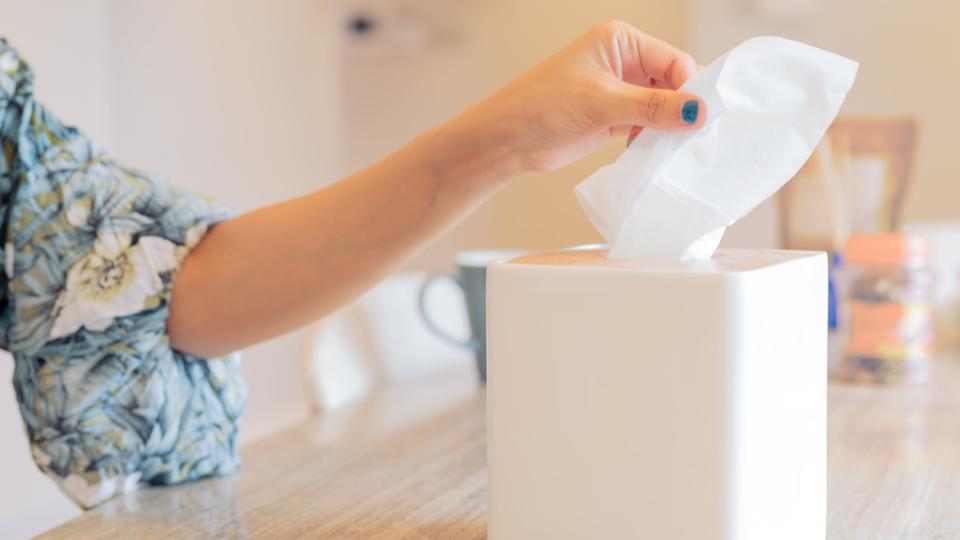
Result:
pixel 607 82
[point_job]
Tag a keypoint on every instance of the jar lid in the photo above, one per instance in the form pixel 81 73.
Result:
pixel 887 249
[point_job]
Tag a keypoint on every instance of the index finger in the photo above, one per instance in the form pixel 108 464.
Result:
pixel 646 59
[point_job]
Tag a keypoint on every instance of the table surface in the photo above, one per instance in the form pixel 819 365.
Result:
pixel 409 462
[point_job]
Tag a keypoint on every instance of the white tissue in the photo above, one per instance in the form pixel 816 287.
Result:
pixel 671 195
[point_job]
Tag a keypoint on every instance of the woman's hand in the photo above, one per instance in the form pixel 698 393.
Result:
pixel 609 81
pixel 275 269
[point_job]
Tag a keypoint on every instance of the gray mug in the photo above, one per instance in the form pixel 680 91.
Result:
pixel 471 276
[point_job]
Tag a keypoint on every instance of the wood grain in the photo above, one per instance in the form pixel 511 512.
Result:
pixel 410 463
pixel 894 459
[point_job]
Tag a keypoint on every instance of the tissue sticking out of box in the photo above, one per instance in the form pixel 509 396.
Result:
pixel 671 195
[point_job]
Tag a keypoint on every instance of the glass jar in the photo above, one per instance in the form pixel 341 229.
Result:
pixel 888 311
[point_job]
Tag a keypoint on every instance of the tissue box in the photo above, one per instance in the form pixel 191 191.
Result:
pixel 667 400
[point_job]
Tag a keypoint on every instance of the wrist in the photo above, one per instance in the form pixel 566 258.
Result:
pixel 475 148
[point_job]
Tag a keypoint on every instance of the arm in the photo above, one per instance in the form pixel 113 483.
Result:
pixel 269 271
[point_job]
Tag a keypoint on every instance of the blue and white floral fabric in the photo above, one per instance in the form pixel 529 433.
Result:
pixel 91 249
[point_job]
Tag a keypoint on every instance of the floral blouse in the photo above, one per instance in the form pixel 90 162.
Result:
pixel 90 251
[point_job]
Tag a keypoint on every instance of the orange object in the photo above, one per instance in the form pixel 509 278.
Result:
pixel 889 313
pixel 890 249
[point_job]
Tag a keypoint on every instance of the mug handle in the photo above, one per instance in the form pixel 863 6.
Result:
pixel 439 332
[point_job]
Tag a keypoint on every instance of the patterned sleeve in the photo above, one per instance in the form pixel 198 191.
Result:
pixel 91 250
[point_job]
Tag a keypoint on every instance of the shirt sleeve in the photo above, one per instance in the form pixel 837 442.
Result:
pixel 91 252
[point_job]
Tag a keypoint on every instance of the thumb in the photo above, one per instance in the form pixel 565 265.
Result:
pixel 657 108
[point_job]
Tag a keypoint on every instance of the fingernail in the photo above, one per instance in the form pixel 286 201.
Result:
pixel 690 111
pixel 633 135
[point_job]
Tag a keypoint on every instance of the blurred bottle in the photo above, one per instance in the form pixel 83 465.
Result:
pixel 888 310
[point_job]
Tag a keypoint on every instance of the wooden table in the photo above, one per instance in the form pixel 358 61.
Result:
pixel 893 459
pixel 410 463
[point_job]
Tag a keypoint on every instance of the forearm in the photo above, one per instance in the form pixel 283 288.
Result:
pixel 269 271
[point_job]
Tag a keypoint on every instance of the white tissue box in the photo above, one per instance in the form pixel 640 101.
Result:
pixel 657 400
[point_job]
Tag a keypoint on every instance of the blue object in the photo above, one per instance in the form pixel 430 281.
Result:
pixel 832 299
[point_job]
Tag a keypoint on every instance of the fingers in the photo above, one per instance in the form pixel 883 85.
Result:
pixel 645 58
pixel 656 108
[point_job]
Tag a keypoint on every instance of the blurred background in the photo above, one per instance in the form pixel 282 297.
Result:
pixel 255 102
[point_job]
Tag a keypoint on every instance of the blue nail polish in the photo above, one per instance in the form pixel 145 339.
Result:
pixel 690 111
